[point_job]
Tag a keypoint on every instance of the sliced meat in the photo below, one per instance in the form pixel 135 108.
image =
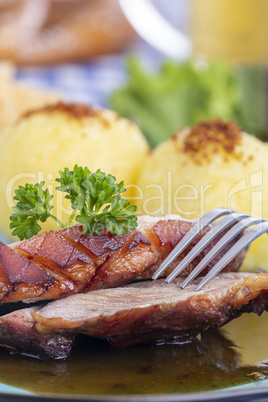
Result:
pixel 26 277
pixel 18 333
pixel 56 264
pixel 155 310
pixel 133 257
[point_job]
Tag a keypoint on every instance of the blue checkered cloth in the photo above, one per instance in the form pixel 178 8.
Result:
pixel 90 82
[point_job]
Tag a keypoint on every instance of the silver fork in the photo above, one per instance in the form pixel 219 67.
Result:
pixel 238 223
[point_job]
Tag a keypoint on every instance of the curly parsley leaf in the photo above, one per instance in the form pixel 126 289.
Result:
pixel 97 200
pixel 71 183
pixel 34 205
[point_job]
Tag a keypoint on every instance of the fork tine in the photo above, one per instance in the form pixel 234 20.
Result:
pixel 209 236
pixel 226 239
pixel 201 224
pixel 242 243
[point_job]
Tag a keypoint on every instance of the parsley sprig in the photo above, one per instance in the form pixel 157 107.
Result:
pixel 95 198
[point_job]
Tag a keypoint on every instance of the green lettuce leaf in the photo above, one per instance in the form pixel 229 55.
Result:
pixel 179 94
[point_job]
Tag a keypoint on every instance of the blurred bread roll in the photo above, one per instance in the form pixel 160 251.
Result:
pixel 53 31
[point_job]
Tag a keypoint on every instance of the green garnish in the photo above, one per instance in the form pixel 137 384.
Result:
pixel 33 205
pixel 182 94
pixel 95 198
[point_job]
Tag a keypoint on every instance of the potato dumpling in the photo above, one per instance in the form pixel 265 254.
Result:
pixel 212 164
pixel 17 97
pixel 47 140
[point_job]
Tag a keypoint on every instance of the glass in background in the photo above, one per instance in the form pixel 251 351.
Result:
pixel 238 32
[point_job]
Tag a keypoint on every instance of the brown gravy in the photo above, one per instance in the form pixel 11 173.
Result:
pixel 219 359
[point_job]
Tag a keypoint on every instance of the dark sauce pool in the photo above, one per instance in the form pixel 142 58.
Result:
pixel 220 358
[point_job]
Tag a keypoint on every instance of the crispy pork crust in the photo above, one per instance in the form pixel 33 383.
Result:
pixel 56 264
pixel 155 310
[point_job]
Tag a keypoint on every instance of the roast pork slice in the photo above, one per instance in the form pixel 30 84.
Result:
pixel 18 333
pixel 54 265
pixel 155 310
pixel 57 264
